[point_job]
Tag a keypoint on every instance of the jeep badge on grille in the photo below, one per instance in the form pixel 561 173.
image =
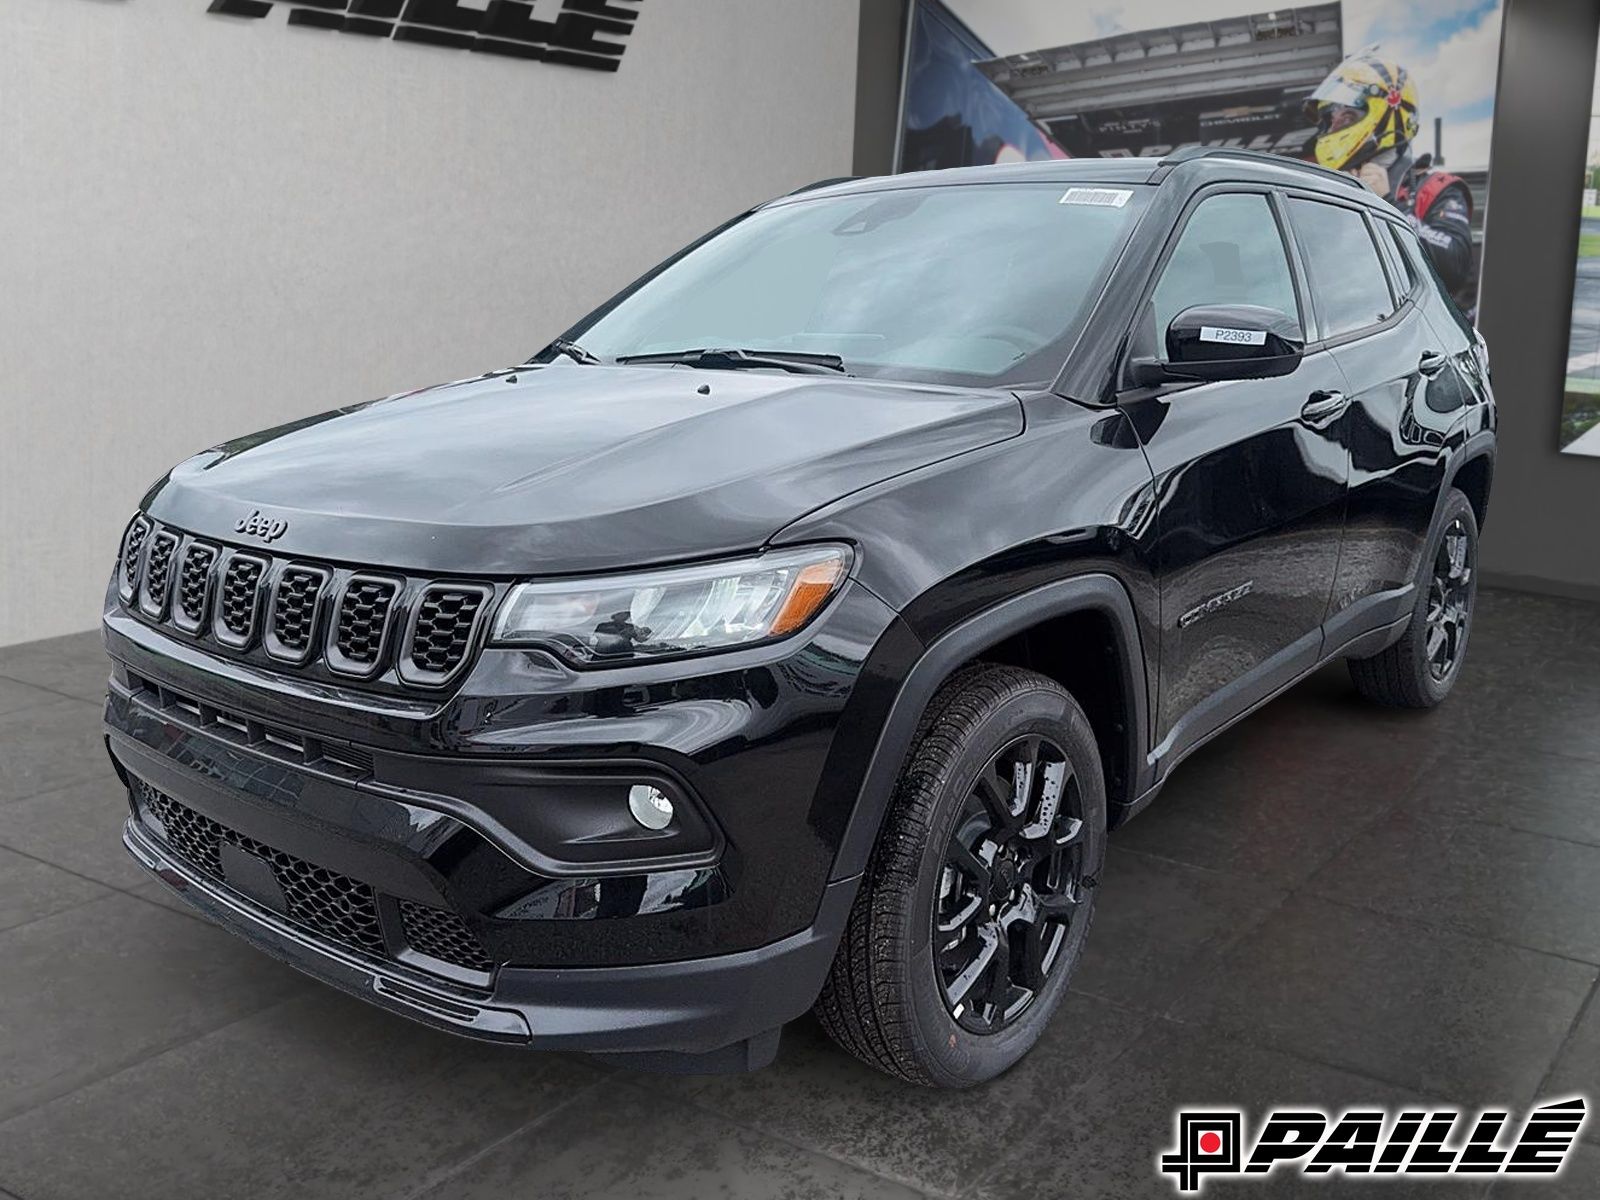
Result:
pixel 265 528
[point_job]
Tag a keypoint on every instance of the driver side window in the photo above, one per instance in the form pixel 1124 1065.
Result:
pixel 1230 252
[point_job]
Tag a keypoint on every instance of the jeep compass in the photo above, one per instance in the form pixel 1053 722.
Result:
pixel 790 632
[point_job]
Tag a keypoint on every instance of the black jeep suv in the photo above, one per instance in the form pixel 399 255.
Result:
pixel 791 631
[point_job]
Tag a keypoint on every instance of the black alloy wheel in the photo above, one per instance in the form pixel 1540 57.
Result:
pixel 976 904
pixel 1011 884
pixel 1450 599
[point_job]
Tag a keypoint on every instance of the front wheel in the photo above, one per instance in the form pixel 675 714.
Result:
pixel 974 909
pixel 1419 670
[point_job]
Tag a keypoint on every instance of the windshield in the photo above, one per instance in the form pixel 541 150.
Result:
pixel 980 284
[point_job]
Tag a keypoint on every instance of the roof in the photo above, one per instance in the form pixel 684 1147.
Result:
pixel 1203 163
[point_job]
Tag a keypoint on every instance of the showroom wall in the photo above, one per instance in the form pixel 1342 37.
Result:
pixel 213 224
pixel 1543 530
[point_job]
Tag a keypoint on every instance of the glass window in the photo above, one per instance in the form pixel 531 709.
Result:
pixel 1230 252
pixel 966 284
pixel 1348 287
pixel 1417 258
pixel 1404 271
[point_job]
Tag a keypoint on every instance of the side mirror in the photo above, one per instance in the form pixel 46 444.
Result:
pixel 1224 341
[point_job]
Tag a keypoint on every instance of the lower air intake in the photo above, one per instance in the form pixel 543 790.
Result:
pixel 335 906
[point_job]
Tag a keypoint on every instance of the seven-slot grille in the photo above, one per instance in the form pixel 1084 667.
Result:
pixel 240 602
pixel 340 908
pixel 158 573
pixel 362 623
pixel 443 629
pixel 132 547
pixel 194 586
pixel 296 603
pixel 354 623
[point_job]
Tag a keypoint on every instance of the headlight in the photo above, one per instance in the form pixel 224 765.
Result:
pixel 680 610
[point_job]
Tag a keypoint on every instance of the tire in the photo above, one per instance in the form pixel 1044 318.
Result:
pixel 888 997
pixel 1408 673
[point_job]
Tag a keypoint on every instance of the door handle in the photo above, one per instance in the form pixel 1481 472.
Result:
pixel 1322 406
pixel 1431 363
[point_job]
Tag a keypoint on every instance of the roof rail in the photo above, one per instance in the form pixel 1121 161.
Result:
pixel 1190 153
pixel 822 183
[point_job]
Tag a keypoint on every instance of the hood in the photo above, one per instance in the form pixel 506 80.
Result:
pixel 567 468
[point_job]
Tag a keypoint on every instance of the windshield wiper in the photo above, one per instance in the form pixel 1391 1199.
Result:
pixel 737 360
pixel 572 350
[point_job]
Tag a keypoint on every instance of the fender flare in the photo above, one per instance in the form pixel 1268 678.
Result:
pixel 1480 445
pixel 965 641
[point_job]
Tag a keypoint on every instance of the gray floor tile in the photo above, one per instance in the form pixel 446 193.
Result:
pixel 15 696
pixel 75 665
pixel 30 889
pixel 1524 629
pixel 1106 1140
pixel 156 892
pixel 319 1097
pixel 77 827
pixel 1318 729
pixel 1551 709
pixel 92 989
pixel 1548 794
pixel 1475 878
pixel 1267 815
pixel 820 1097
pixel 50 747
pixel 1155 920
pixel 1579 1180
pixel 632 1144
pixel 1462 1018
pixel 1577 1070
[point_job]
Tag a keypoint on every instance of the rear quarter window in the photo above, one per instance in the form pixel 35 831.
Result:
pixel 1417 257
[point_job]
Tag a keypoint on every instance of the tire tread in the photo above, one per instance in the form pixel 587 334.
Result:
pixel 862 1005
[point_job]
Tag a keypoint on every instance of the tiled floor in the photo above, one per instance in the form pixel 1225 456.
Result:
pixel 1330 904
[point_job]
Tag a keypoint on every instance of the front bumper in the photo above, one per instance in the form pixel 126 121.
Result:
pixel 461 809
pixel 687 1008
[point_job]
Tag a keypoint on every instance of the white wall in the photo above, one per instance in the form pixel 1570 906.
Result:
pixel 209 225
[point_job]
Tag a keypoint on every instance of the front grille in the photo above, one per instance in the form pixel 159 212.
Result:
pixel 445 622
pixel 194 586
pixel 328 903
pixel 443 935
pixel 363 621
pixel 237 605
pixel 344 622
pixel 294 611
pixel 158 573
pixel 132 547
pixel 337 907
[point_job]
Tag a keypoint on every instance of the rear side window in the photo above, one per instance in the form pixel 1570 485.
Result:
pixel 1408 277
pixel 1230 252
pixel 1405 274
pixel 1348 286
pixel 1417 259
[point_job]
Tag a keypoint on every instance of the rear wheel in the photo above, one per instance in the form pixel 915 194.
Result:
pixel 976 904
pixel 1419 670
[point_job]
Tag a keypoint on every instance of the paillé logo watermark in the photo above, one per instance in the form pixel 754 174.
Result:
pixel 1372 1142
pixel 574 33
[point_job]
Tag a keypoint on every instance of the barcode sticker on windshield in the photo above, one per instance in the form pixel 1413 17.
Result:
pixel 1099 197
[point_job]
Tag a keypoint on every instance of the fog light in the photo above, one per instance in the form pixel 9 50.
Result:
pixel 649 806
